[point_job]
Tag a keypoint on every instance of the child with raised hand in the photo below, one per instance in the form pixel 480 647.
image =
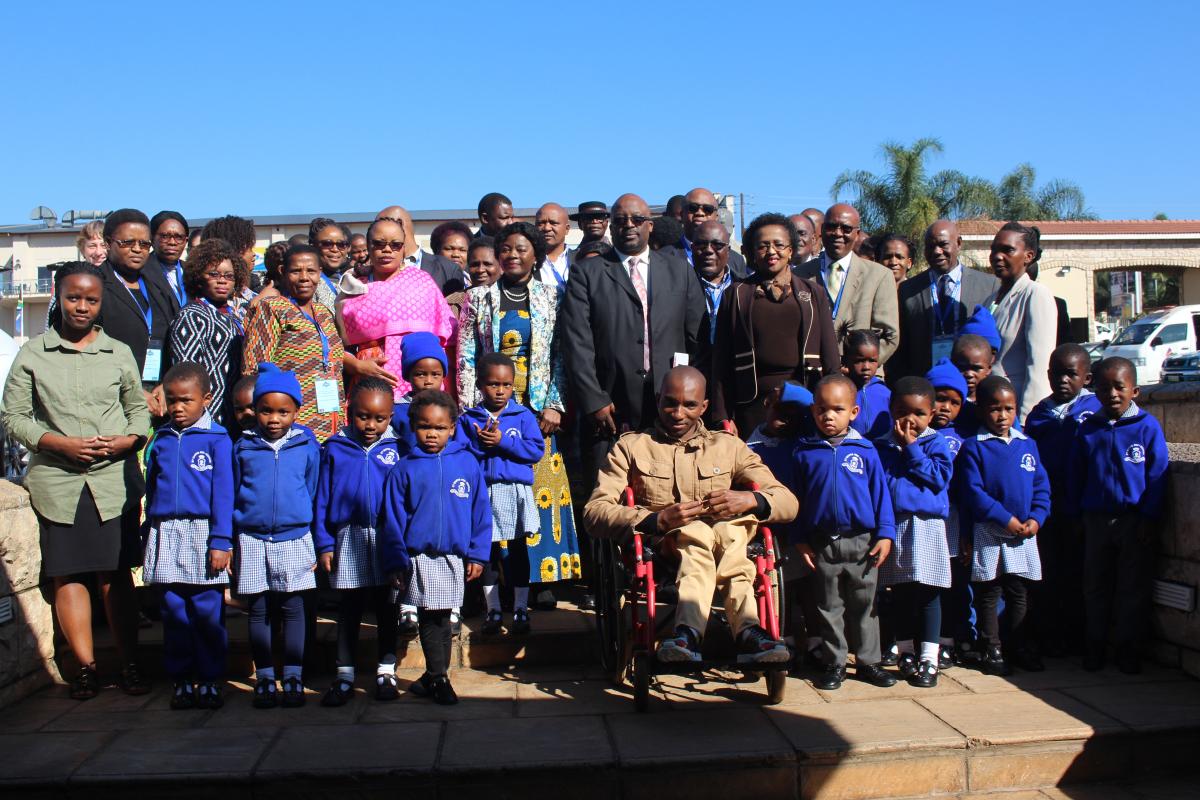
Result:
pixel 918 465
pixel 189 525
pixel 354 463
pixel 860 362
pixel 847 521
pixel 1118 479
pixel 276 465
pixel 1052 424
pixel 436 525
pixel 1003 487
pixel 505 437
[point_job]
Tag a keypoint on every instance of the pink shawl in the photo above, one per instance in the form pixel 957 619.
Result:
pixel 387 310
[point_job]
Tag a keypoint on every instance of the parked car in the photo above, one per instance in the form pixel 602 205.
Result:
pixel 1152 339
pixel 1184 367
pixel 1095 350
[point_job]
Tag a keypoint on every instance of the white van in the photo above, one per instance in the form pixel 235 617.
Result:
pixel 1155 336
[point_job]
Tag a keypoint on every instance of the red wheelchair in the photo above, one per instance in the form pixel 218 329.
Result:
pixel 630 618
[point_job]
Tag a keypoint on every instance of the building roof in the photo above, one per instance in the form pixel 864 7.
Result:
pixel 1101 227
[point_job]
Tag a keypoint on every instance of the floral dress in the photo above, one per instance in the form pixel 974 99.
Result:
pixel 553 551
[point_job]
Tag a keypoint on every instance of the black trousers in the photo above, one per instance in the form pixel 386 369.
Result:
pixel 433 628
pixel 1015 590
pixel 1116 579
pixel 1057 603
pixel 351 604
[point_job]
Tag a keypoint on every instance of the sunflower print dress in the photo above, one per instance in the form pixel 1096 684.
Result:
pixel 553 551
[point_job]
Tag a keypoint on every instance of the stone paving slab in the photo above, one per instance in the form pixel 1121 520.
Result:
pixel 352 751
pixel 1007 718
pixel 1146 707
pixel 699 735
pixel 192 753
pixel 888 726
pixel 513 744
pixel 46 757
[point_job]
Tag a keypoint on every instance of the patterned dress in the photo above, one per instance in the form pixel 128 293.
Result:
pixel 212 338
pixel 278 332
pixel 554 550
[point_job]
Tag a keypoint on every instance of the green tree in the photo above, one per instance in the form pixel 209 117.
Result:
pixel 1018 198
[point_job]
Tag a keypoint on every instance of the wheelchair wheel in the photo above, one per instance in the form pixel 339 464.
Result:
pixel 640 669
pixel 776 686
pixel 611 632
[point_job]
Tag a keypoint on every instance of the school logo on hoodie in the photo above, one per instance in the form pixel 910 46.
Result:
pixel 387 457
pixel 513 433
pixel 1028 464
pixel 461 488
pixel 201 462
pixel 854 463
pixel 1135 454
pixel 953 444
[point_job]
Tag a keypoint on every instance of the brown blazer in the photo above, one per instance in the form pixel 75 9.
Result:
pixel 733 369
pixel 868 301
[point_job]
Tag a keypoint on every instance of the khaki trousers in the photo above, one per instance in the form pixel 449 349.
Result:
pixel 714 557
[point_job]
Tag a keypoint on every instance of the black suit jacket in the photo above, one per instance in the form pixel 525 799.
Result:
pixel 121 316
pixel 914 356
pixel 445 273
pixel 601 326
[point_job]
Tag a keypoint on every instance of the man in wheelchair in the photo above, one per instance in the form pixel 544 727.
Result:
pixel 681 474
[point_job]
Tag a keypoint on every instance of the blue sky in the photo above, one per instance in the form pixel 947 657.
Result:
pixel 256 108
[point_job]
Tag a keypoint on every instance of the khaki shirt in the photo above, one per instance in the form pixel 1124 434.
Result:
pixel 663 472
pixel 96 391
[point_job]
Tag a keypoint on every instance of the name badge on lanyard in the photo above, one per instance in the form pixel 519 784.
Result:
pixel 152 366
pixel 945 321
pixel 326 389
pixel 942 346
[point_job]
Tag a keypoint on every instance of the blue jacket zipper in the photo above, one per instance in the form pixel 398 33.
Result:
pixel 441 506
pixel 274 492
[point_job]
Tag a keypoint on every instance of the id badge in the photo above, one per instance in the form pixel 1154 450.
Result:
pixel 942 345
pixel 680 360
pixel 327 396
pixel 152 367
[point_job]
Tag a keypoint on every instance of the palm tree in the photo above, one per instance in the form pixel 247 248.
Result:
pixel 1019 199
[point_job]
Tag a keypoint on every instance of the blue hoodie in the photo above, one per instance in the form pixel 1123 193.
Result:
pixel 1119 466
pixel 918 475
pixel 998 479
pixel 350 490
pixel 406 440
pixel 1053 427
pixel 874 420
pixel 437 504
pixel 776 453
pixel 521 446
pixel 842 488
pixel 189 474
pixel 275 488
pixel 954 435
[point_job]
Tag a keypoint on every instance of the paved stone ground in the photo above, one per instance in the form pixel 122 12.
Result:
pixel 554 731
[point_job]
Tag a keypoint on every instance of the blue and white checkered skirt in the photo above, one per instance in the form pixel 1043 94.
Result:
pixel 919 554
pixel 177 552
pixel 513 511
pixel 264 566
pixel 356 559
pixel 997 553
pixel 436 583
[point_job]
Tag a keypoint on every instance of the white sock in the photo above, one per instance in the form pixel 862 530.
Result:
pixel 894 650
pixel 906 646
pixel 455 616
pixel 520 598
pixel 345 674
pixel 491 596
pixel 387 666
pixel 407 610
pixel 929 652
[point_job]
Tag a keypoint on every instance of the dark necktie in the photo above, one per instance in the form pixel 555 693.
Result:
pixel 946 308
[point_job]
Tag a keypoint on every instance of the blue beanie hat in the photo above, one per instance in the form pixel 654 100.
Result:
pixel 944 375
pixel 272 379
pixel 796 393
pixel 418 345
pixel 982 323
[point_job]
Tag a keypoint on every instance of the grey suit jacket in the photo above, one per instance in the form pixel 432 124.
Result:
pixel 917 322
pixel 868 301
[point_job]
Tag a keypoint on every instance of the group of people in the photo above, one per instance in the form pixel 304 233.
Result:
pixel 402 422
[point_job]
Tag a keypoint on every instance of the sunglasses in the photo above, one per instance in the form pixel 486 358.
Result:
pixel 127 244
pixel 833 227
pixel 333 244
pixel 717 246
pixel 383 244
pixel 696 208
pixel 636 220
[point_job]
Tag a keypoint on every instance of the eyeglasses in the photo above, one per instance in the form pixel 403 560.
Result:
pixel 695 208
pixel 636 220
pixel 765 247
pixel 833 227
pixel 221 276
pixel 381 244
pixel 173 237
pixel 717 246
pixel 128 244
pixel 333 244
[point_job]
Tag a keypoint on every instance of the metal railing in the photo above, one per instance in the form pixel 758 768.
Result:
pixel 42 286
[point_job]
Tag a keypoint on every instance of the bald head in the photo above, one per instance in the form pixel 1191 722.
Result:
pixel 552 221
pixel 942 244
pixel 401 215
pixel 711 261
pixel 839 233
pixel 681 402
pixel 816 218
pixel 699 206
pixel 628 235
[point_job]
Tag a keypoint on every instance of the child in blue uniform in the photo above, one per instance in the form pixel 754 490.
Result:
pixel 354 464
pixel 243 406
pixel 276 465
pixel 436 516
pixel 189 520
pixel 958 623
pixel 1002 485
pixel 971 355
pixel 1058 598
pixel 846 519
pixel 860 362
pixel 505 437
pixel 1118 480
pixel 918 465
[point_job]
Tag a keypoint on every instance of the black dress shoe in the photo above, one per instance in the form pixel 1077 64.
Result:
pixel 875 675
pixel 587 602
pixel 907 664
pixel 925 677
pixel 945 657
pixel 890 658
pixel 831 677
pixel 994 664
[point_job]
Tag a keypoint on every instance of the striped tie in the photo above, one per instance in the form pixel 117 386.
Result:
pixel 639 286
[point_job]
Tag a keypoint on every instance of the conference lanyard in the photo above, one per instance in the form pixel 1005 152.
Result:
pixel 180 290
pixel 320 333
pixel 329 282
pixel 943 315
pixel 148 311
pixel 841 290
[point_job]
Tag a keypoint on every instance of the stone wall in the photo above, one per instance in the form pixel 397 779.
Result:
pixel 1177 633
pixel 27 640
pixel 1177 408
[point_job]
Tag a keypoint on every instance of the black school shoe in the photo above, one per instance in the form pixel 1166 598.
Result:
pixel 945 657
pixel 265 695
pixel 422 686
pixel 338 694
pixel 132 682
pixel 183 696
pixel 875 675
pixel 443 692
pixel 831 677
pixel 208 696
pixel 907 664
pixel 993 662
pixel 293 693
pixel 925 677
